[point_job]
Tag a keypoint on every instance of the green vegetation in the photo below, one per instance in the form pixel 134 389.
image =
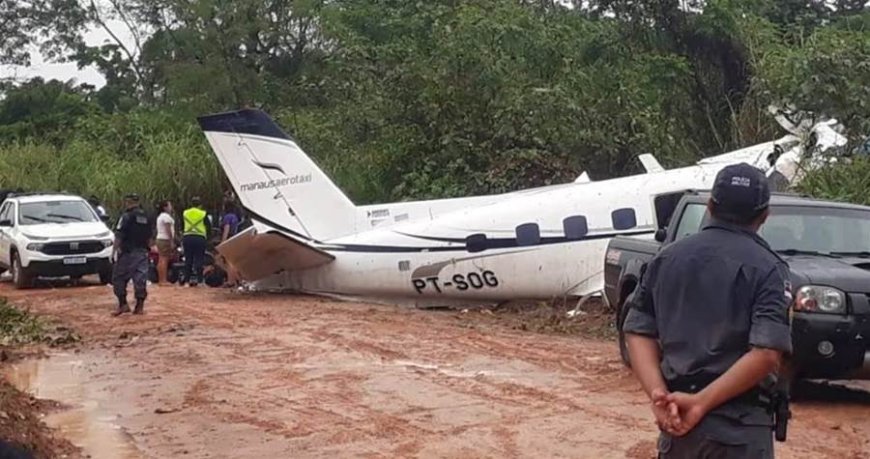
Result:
pixel 19 327
pixel 849 182
pixel 401 99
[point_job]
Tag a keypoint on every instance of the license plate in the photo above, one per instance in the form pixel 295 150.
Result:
pixel 75 261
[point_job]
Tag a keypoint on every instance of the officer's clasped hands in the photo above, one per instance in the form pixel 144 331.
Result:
pixel 677 413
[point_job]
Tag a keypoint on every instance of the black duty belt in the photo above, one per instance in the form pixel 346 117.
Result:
pixel 694 384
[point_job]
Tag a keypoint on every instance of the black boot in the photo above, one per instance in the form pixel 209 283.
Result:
pixel 122 308
pixel 140 307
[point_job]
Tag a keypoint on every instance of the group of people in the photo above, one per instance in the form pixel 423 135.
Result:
pixel 196 224
pixel 135 233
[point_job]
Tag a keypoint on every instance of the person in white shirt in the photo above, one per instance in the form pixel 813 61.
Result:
pixel 165 241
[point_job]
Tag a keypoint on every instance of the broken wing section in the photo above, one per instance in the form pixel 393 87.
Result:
pixel 257 255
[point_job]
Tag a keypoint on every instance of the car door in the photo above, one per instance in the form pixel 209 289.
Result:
pixel 5 233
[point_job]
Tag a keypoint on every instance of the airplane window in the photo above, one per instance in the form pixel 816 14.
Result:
pixel 575 227
pixel 528 234
pixel 623 219
pixel 475 242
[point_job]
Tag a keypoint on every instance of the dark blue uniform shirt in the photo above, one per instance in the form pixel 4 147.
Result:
pixel 711 296
pixel 708 299
pixel 134 230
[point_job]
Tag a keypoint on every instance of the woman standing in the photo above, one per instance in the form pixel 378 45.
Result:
pixel 165 240
pixel 229 228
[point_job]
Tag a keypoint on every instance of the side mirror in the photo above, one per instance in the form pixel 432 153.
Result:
pixel 104 218
pixel 5 223
pixel 661 234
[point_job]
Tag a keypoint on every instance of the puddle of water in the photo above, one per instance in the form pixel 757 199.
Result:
pixel 86 424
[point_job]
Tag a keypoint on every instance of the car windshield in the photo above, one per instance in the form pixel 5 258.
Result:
pixel 818 230
pixel 34 213
pixel 801 229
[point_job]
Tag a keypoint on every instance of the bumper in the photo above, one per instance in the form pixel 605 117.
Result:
pixel 28 257
pixel 848 336
pixel 57 268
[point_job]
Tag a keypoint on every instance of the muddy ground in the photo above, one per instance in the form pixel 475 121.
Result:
pixel 22 429
pixel 215 373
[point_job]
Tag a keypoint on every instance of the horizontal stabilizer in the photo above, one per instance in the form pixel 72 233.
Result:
pixel 650 163
pixel 258 255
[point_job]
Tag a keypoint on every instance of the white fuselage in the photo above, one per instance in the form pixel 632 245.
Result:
pixel 418 249
pixel 541 243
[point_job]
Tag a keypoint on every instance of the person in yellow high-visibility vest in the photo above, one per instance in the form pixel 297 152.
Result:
pixel 196 227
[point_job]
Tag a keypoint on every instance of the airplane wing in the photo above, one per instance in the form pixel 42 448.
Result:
pixel 257 255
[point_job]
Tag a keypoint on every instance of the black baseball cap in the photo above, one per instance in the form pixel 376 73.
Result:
pixel 741 191
pixel 132 197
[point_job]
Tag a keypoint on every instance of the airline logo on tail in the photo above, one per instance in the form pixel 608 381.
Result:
pixel 269 166
pixel 295 180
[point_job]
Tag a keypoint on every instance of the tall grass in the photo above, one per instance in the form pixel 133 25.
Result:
pixel 846 181
pixel 171 165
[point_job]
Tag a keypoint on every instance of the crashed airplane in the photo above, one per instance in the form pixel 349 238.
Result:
pixel 540 243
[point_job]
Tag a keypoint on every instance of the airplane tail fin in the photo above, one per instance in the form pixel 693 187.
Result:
pixel 276 182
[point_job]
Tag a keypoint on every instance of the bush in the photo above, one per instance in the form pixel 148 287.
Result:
pixel 19 327
pixel 847 181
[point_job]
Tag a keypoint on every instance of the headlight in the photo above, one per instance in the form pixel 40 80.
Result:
pixel 35 246
pixel 102 235
pixel 107 243
pixel 816 298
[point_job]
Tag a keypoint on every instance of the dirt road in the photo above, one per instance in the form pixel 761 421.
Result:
pixel 214 373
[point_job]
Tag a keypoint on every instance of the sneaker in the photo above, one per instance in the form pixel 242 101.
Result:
pixel 140 308
pixel 121 310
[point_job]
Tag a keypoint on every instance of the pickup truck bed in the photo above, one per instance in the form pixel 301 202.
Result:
pixel 622 252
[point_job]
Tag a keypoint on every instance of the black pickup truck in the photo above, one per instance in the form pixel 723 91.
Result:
pixel 827 247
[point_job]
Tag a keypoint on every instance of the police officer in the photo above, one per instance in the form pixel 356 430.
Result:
pixel 132 242
pixel 708 325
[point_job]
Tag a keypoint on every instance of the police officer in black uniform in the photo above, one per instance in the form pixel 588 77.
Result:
pixel 132 242
pixel 708 327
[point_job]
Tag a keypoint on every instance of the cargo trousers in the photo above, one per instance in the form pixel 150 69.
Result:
pixel 133 265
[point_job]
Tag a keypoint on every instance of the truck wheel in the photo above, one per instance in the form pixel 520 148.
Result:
pixel 21 276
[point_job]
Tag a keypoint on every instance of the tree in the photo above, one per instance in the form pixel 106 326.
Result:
pixel 44 110
pixel 24 23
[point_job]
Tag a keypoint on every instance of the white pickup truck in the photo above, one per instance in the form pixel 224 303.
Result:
pixel 53 235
